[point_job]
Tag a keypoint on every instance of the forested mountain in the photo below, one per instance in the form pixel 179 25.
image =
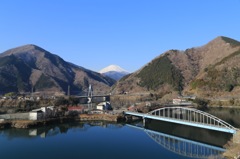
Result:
pixel 30 67
pixel 212 69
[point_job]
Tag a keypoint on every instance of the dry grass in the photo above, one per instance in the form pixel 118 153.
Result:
pixel 233 147
pixel 106 117
pixel 233 152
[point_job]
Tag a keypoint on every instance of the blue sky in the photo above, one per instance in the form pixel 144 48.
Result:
pixel 129 33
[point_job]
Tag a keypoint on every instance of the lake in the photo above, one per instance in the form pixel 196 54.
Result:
pixel 158 140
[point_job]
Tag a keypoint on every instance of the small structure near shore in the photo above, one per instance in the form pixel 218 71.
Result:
pixel 35 115
pixel 42 113
pixel 180 101
pixel 104 106
pixel 76 109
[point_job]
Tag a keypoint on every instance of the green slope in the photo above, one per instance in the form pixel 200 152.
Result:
pixel 158 72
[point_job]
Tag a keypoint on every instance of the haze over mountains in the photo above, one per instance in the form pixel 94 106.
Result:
pixel 31 67
pixel 206 71
pixel 113 71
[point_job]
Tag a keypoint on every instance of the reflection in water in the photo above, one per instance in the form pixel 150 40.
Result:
pixel 186 142
pixel 193 133
pixel 53 130
pixel 106 140
pixel 182 146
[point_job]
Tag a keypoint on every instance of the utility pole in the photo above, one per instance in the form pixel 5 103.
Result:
pixel 32 91
pixel 90 95
pixel 68 93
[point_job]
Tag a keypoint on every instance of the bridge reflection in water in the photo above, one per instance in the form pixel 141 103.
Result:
pixel 182 146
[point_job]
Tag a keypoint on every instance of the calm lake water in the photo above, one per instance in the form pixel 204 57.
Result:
pixel 158 140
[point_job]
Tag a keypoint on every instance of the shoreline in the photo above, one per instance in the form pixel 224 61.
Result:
pixel 230 107
pixel 24 124
pixel 232 147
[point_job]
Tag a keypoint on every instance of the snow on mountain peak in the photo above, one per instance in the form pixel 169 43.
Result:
pixel 114 68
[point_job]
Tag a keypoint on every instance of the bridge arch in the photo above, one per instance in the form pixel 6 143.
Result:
pixel 184 147
pixel 191 116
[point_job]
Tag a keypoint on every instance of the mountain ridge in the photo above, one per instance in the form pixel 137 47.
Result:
pixel 45 72
pixel 207 71
pixel 187 71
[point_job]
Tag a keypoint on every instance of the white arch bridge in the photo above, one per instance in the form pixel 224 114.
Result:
pixel 187 116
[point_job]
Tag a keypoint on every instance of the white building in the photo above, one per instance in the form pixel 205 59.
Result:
pixel 104 106
pixel 179 101
pixel 42 113
pixel 36 115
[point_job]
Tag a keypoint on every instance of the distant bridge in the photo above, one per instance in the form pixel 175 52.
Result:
pixel 183 147
pixel 90 98
pixel 187 116
pixel 90 95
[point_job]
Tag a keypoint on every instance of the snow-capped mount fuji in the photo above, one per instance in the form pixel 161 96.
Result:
pixel 114 72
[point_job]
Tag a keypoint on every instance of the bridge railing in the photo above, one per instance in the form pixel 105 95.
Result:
pixel 191 115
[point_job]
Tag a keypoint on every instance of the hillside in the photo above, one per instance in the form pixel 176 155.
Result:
pixel 209 70
pixel 30 66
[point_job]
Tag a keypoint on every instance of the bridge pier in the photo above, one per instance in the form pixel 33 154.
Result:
pixel 144 122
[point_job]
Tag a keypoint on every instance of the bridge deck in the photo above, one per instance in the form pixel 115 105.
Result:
pixel 183 122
